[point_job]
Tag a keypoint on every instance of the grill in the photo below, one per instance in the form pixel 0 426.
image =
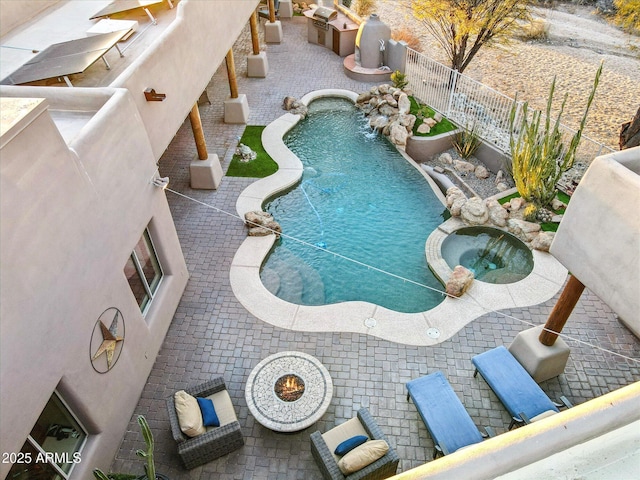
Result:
pixel 322 16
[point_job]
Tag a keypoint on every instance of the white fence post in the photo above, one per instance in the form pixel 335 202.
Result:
pixel 452 91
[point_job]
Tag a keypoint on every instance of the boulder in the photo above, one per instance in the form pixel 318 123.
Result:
pixel 557 204
pixel 452 194
pixel 498 215
pixel 459 281
pixel 481 172
pixel 423 128
pixel 501 186
pixel 390 100
pixel 463 167
pixel 261 224
pixel 388 110
pixel 446 158
pixel 527 231
pixel 364 97
pixel 404 104
pixel 384 88
pixel 430 121
pixel 437 117
pixel 407 120
pixel 474 211
pixel 542 241
pixel 499 177
pixel 516 204
pixel 378 122
pixel 398 134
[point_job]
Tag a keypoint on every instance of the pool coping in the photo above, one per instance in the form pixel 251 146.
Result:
pixel 447 318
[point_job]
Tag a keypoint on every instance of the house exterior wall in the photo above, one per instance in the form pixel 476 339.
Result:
pixel 72 212
pixel 14 13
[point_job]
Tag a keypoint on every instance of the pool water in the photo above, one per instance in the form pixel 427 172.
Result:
pixel 493 255
pixel 358 198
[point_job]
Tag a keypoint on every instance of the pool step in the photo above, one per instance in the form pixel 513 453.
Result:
pixel 293 280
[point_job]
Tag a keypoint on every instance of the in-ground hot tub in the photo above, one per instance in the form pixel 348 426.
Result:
pixel 493 255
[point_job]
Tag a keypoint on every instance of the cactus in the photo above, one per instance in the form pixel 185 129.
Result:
pixel 530 213
pixel 150 467
pixel 99 474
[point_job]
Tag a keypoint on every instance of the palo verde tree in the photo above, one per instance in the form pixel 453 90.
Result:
pixel 462 27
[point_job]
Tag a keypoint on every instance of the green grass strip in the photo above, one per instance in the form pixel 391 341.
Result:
pixel 262 166
pixel 425 111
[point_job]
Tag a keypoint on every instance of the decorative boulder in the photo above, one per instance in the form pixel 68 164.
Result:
pixel 423 128
pixel 523 229
pixel 474 211
pixel 455 201
pixel 501 186
pixel 404 104
pixel 516 204
pixel 498 215
pixel 398 134
pixel 459 281
pixel 446 158
pixel 261 224
pixel 481 172
pixel 543 241
pixel 463 167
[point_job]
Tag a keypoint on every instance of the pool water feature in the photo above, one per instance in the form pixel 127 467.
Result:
pixel 358 198
pixel 493 255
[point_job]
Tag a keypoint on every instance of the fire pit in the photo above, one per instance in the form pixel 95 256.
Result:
pixel 289 388
pixel 288 391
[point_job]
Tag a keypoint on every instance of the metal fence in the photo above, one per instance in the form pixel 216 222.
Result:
pixel 471 104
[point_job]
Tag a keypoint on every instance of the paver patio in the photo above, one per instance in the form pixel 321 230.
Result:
pixel 212 334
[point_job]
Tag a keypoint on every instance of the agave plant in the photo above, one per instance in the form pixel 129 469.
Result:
pixel 539 153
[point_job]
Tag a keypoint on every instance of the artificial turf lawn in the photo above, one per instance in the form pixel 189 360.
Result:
pixel 262 166
pixel 441 127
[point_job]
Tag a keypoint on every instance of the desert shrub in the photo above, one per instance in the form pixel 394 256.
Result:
pixel 399 79
pixel 536 30
pixel 466 141
pixel 530 213
pixel 407 36
pixel 628 14
pixel 363 8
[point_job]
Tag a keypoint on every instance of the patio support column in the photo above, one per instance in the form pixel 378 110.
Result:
pixel 561 311
pixel 205 171
pixel 272 28
pixel 198 132
pixel 236 108
pixel 257 66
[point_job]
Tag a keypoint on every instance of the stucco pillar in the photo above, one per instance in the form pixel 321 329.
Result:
pixel 257 66
pixel 563 308
pixel 272 28
pixel 236 108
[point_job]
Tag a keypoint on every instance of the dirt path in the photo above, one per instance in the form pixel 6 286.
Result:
pixel 578 41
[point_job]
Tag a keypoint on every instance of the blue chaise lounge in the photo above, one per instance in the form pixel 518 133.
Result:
pixel 519 393
pixel 448 422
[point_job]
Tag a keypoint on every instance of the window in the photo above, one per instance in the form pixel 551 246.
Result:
pixel 52 447
pixel 143 271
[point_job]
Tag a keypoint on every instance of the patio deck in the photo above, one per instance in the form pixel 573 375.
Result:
pixel 212 334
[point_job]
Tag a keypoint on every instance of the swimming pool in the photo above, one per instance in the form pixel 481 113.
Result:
pixel 358 198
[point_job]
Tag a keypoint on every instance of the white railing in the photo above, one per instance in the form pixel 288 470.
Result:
pixel 469 103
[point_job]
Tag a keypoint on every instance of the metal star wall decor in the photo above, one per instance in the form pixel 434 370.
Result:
pixel 111 340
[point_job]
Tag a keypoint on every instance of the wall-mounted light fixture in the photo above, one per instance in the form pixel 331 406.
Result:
pixel 151 96
pixel 161 182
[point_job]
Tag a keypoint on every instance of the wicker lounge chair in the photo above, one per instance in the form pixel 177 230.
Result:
pixel 217 441
pixel 323 446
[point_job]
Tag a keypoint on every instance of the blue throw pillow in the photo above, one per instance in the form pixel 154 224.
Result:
pixel 209 416
pixel 350 444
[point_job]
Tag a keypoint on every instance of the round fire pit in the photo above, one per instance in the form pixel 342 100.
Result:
pixel 288 391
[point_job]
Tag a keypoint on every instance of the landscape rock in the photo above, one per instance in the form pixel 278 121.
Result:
pixel 404 104
pixel 542 241
pixel 557 204
pixel 527 231
pixel 499 177
pixel 463 167
pixel 446 158
pixel 437 117
pixel 398 134
pixel 498 215
pixel 501 186
pixel 516 204
pixel 474 211
pixel 261 224
pixel 430 121
pixel 459 281
pixel 481 172
pixel 423 128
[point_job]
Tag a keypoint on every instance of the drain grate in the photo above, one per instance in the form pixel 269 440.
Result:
pixel 370 322
pixel 433 333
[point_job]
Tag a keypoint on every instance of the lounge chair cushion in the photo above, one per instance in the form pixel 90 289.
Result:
pixel 224 408
pixel 209 417
pixel 545 414
pixel 342 432
pixel 364 455
pixel 349 444
pixel 189 415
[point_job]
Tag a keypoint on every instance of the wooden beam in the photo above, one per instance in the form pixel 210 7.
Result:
pixel 272 11
pixel 198 132
pixel 561 311
pixel 231 73
pixel 255 37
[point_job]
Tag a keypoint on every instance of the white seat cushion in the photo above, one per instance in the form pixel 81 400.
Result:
pixel 189 414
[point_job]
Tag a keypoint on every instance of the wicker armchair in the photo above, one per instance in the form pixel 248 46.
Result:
pixel 384 467
pixel 217 441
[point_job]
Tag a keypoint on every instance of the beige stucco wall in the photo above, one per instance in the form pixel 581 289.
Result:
pixel 14 13
pixel 181 63
pixel 71 216
pixel 599 237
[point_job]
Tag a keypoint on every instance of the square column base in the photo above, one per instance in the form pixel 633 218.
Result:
pixel 285 10
pixel 542 362
pixel 206 174
pixel 273 32
pixel 236 110
pixel 257 65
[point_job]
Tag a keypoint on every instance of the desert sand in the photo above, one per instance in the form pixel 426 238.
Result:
pixel 578 40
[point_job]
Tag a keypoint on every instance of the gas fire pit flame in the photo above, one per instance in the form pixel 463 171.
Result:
pixel 289 388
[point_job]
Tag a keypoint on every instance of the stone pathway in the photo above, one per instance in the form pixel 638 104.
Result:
pixel 212 334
